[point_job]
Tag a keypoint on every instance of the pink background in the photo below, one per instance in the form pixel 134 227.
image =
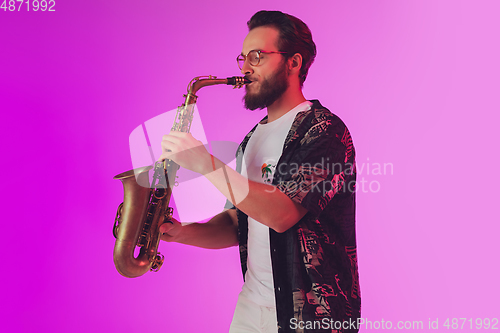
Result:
pixel 417 82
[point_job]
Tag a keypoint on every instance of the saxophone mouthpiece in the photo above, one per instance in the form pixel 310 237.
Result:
pixel 238 81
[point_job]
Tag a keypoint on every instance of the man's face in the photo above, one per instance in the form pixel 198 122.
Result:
pixel 270 77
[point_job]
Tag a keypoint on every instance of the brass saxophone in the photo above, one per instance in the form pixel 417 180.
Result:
pixel 145 208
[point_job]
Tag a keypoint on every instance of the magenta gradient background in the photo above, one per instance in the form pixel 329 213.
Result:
pixel 417 82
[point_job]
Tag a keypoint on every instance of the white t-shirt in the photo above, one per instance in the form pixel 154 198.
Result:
pixel 261 156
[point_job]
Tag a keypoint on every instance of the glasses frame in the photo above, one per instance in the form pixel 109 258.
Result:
pixel 258 61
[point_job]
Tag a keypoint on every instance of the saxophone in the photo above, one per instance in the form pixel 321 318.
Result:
pixel 145 208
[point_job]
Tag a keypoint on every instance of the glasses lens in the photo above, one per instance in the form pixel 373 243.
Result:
pixel 241 60
pixel 253 58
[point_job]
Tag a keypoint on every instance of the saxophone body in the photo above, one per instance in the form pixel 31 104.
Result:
pixel 145 206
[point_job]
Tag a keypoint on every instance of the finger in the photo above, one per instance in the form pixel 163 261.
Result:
pixel 166 227
pixel 167 146
pixel 178 134
pixel 165 156
pixel 166 237
pixel 172 138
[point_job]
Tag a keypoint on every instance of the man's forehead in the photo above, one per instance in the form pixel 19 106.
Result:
pixel 261 38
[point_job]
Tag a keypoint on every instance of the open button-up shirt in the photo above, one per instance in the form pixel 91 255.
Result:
pixel 314 263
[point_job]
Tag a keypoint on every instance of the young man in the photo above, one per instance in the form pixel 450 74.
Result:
pixel 293 200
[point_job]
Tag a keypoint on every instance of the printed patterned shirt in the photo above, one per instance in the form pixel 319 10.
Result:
pixel 314 263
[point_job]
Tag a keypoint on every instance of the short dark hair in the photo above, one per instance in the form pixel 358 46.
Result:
pixel 294 36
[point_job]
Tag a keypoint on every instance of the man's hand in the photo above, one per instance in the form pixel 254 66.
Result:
pixel 186 151
pixel 170 230
pixel 220 232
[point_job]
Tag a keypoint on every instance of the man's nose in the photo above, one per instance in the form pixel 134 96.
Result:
pixel 246 69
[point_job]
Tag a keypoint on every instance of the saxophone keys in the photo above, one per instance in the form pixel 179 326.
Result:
pixel 157 262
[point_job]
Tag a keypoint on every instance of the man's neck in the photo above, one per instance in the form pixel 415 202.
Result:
pixel 290 99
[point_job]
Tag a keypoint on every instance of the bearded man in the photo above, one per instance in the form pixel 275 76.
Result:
pixel 291 202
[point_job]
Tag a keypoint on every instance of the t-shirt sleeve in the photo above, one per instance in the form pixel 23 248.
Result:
pixel 321 166
pixel 229 205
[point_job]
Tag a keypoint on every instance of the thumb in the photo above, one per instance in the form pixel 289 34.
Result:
pixel 166 227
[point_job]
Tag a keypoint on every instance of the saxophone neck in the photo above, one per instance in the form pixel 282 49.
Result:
pixel 202 81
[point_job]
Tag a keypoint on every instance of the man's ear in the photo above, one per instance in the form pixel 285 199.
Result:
pixel 295 62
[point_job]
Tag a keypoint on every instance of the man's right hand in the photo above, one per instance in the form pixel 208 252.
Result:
pixel 218 233
pixel 170 230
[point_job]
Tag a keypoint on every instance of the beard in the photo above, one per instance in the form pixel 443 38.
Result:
pixel 270 90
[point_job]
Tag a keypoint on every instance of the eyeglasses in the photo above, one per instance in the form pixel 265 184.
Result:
pixel 253 57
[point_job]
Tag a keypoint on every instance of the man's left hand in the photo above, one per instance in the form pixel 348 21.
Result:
pixel 186 151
